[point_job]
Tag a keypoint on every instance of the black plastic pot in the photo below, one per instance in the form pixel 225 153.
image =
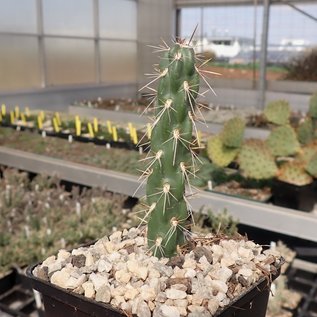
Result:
pixel 63 303
pixel 295 197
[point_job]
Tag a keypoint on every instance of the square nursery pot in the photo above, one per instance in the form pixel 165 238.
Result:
pixel 295 197
pixel 63 303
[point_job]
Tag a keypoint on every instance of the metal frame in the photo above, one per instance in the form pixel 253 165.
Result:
pixel 282 220
pixel 40 35
pixel 121 116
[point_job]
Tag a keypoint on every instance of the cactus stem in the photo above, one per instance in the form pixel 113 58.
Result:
pixel 166 107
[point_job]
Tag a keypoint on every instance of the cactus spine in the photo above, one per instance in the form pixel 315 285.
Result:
pixel 171 155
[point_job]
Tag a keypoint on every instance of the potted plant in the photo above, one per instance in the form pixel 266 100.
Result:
pixel 163 269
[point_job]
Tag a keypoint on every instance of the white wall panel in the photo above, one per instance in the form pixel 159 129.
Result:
pixel 68 17
pixel 118 61
pixel 69 61
pixel 118 19
pixel 19 62
pixel 18 16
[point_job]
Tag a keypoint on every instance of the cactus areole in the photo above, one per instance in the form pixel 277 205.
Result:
pixel 171 155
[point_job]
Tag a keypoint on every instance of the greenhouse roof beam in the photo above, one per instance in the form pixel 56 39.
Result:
pixel 193 3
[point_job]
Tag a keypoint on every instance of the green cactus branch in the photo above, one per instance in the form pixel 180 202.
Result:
pixel 171 158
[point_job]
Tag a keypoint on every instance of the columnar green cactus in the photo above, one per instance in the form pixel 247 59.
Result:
pixel 171 155
pixel 277 112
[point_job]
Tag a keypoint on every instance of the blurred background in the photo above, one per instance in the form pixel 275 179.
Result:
pixel 54 52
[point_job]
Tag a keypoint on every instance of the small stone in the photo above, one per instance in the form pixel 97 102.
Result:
pixel 169 311
pixel 245 253
pixel 103 294
pixel 161 297
pixel 131 293
pixel 183 281
pixel 190 273
pixel 116 236
pixel 98 280
pixel 60 278
pixel 245 272
pixel 42 273
pixel 63 255
pixel 78 260
pixel 219 286
pixel 213 306
pixel 176 261
pixel 202 251
pixel 227 261
pixel 175 294
pixel 181 302
pixel 49 260
pixel 143 310
pixel 89 259
pixel 54 267
pixel 147 293
pixel 122 276
pixel 73 282
pixel 104 266
pixel 89 289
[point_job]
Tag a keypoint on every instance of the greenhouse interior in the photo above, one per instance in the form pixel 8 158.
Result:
pixel 158 158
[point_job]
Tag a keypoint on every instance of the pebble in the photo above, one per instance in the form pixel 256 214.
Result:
pixel 103 294
pixel 118 270
pixel 173 293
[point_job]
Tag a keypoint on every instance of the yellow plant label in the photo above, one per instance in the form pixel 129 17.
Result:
pixel 58 118
pixel 12 117
pixel 55 124
pixel 135 136
pixel 3 110
pixel 27 111
pixel 149 130
pixel 42 114
pixel 96 124
pixel 114 134
pixel 17 111
pixel 0 117
pixel 40 122
pixel 78 126
pixel 90 130
pixel 23 118
pixel 109 126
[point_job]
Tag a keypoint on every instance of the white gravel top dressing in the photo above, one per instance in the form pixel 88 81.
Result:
pixel 120 270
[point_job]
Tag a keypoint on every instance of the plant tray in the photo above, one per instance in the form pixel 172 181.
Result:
pixel 305 283
pixel 63 303
pixel 16 296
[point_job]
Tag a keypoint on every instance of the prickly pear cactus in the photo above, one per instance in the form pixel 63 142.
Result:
pixel 282 141
pixel 311 167
pixel 313 106
pixel 294 173
pixel 168 164
pixel 305 131
pixel 220 154
pixel 256 160
pixel 232 133
pixel 277 112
